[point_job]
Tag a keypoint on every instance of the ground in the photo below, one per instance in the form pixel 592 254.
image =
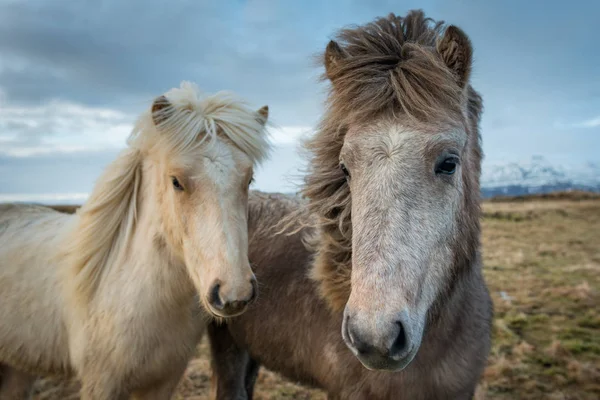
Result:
pixel 542 265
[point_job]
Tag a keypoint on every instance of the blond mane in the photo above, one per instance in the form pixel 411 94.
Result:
pixel 107 221
pixel 190 119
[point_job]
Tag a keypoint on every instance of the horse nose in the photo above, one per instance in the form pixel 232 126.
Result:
pixel 397 340
pixel 378 345
pixel 230 306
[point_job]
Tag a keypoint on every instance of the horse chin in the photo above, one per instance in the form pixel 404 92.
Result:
pixel 219 314
pixel 386 363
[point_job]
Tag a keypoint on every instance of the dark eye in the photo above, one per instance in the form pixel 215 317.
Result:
pixel 251 181
pixel 176 184
pixel 447 166
pixel 345 170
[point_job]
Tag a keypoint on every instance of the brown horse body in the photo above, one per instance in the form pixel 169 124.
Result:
pixel 292 331
pixel 383 268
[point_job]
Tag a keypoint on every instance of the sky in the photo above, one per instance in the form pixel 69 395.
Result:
pixel 75 75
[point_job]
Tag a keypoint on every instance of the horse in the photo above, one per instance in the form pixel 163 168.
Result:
pixel 372 287
pixel 111 294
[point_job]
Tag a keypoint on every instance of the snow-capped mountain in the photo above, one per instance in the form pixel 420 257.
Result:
pixel 539 175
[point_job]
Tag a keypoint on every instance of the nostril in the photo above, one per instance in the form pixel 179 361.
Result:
pixel 353 339
pixel 400 343
pixel 215 297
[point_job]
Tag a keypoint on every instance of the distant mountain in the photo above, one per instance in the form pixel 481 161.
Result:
pixel 539 175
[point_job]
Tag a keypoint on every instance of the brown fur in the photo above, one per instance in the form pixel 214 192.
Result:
pixel 291 330
pixel 386 67
pixel 15 385
pixel 409 68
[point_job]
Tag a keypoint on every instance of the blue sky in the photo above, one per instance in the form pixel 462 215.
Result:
pixel 74 75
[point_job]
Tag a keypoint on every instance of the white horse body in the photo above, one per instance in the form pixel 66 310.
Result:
pixel 31 298
pixel 111 293
pixel 48 334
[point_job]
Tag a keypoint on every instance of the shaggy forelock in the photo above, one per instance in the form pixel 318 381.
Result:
pixel 190 116
pixel 391 66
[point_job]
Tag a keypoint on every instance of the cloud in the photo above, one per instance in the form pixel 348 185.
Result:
pixel 589 123
pixel 97 54
pixel 74 75
pixel 586 123
pixel 289 134
pixel 45 198
pixel 62 129
pixel 55 172
pixel 60 126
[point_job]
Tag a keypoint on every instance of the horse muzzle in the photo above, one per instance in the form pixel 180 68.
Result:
pixel 225 304
pixel 381 343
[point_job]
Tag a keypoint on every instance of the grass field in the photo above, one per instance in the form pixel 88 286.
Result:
pixel 542 264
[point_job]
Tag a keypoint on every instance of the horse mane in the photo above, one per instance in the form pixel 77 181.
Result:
pixel 107 221
pixel 190 119
pixel 390 67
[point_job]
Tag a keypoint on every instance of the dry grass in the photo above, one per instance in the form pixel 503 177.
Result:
pixel 542 264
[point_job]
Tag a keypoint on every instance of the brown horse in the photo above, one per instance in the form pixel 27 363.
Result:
pixel 386 248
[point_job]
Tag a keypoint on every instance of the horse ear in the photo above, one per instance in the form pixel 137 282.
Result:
pixel 263 114
pixel 333 55
pixel 161 110
pixel 456 51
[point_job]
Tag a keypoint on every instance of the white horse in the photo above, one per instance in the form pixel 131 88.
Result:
pixel 110 293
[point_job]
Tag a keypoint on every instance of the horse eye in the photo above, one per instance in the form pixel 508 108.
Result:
pixel 345 170
pixel 447 167
pixel 251 181
pixel 176 184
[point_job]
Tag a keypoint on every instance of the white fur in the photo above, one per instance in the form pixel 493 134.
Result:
pixel 109 293
pixel 401 253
